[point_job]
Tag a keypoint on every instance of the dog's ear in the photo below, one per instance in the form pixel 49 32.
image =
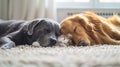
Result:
pixel 57 30
pixel 31 26
pixel 85 23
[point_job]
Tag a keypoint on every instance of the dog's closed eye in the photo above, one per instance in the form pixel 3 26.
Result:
pixel 75 29
pixel 47 30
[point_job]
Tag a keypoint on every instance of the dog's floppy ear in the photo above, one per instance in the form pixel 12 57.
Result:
pixel 57 29
pixel 31 26
pixel 84 22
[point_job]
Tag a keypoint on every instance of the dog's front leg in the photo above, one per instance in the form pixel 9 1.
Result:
pixel 6 43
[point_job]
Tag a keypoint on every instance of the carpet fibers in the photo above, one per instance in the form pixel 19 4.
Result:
pixel 90 56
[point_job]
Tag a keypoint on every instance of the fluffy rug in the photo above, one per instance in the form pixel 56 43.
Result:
pixel 90 56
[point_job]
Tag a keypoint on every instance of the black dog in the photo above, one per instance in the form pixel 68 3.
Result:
pixel 43 31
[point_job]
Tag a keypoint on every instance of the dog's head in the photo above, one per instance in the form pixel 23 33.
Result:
pixel 78 34
pixel 44 31
pixel 75 26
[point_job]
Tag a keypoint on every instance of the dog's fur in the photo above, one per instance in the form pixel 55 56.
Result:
pixel 15 32
pixel 90 29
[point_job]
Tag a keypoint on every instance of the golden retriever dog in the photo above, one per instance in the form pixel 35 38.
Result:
pixel 90 29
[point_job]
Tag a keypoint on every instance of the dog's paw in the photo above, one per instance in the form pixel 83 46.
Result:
pixel 64 41
pixel 8 45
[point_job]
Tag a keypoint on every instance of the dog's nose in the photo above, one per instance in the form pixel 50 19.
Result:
pixel 52 41
pixel 82 43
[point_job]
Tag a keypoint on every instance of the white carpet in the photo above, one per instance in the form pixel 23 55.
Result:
pixel 90 56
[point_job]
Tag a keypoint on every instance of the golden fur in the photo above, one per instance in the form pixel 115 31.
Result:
pixel 90 29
